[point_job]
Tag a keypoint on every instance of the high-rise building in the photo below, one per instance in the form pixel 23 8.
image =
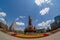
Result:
pixel 56 24
pixel 57 19
pixel 53 26
pixel 12 26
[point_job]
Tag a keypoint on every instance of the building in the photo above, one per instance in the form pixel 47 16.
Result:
pixel 3 26
pixel 53 26
pixel 57 19
pixel 56 24
pixel 30 27
pixel 11 28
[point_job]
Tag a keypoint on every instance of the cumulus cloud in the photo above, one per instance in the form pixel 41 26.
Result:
pixel 40 2
pixel 45 24
pixel 2 14
pixel 48 1
pixel 3 20
pixel 44 11
pixel 22 17
pixel 17 19
pixel 20 23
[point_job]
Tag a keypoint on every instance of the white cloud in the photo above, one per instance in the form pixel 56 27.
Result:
pixel 20 23
pixel 40 2
pixel 2 14
pixel 3 20
pixel 48 1
pixel 44 11
pixel 22 17
pixel 17 19
pixel 45 24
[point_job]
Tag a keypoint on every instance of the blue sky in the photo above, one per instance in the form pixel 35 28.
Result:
pixel 41 11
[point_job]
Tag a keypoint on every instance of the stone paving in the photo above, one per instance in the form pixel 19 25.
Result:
pixel 4 36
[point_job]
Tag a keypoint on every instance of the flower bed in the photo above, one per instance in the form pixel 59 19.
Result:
pixel 31 36
pixel 54 31
pixel 28 36
pixel 45 34
pixel 5 31
pixel 14 34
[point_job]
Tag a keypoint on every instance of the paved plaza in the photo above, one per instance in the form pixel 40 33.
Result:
pixel 4 36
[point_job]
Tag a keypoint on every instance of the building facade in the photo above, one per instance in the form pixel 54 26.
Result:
pixel 11 28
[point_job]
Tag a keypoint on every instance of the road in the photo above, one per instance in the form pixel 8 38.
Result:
pixel 4 36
